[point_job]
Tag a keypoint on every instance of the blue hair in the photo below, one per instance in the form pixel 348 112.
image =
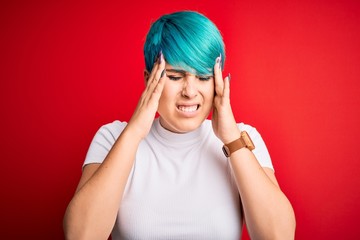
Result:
pixel 187 39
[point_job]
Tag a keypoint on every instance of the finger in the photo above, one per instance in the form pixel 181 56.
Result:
pixel 161 68
pixel 219 82
pixel 158 75
pixel 151 79
pixel 156 94
pixel 226 93
pixel 153 97
pixel 154 69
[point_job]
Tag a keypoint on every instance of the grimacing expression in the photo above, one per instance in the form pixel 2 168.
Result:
pixel 186 100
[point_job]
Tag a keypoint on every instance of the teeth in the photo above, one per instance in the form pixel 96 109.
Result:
pixel 188 108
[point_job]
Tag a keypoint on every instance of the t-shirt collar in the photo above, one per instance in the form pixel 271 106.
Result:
pixel 178 138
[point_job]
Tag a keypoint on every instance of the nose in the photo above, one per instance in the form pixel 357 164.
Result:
pixel 189 89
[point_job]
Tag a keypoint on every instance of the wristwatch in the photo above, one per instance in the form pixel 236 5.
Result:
pixel 243 141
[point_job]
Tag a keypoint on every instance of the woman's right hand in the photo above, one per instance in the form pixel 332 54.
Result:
pixel 143 117
pixel 92 212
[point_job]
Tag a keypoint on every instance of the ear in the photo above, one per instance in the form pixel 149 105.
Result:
pixel 146 76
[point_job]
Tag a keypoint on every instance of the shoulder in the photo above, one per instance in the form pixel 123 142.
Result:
pixel 252 131
pixel 261 152
pixel 246 127
pixel 103 140
pixel 111 130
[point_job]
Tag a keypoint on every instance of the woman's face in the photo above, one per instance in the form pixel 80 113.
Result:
pixel 186 100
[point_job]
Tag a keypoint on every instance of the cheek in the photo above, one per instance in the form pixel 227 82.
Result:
pixel 210 92
pixel 168 94
pixel 166 91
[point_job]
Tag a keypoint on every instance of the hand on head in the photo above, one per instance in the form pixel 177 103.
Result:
pixel 144 114
pixel 223 121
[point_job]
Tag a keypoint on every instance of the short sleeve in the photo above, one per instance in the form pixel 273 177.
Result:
pixel 261 152
pixel 103 141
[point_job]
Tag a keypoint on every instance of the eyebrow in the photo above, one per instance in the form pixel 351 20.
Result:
pixel 176 71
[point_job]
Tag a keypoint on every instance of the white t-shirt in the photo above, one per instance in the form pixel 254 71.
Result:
pixel 180 186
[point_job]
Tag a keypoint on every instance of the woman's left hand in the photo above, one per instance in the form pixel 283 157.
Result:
pixel 223 121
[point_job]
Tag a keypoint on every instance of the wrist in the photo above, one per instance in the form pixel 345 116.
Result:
pixel 244 141
pixel 133 132
pixel 235 134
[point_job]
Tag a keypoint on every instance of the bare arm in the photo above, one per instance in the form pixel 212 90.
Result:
pixel 268 213
pixel 92 212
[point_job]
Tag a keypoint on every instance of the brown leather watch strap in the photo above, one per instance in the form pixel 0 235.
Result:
pixel 243 141
pixel 236 145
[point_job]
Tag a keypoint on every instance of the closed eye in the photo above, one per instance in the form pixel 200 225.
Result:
pixel 205 78
pixel 173 78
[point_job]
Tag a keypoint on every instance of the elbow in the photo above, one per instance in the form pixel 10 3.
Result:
pixel 291 222
pixel 73 233
pixel 69 235
pixel 285 227
pixel 292 225
pixel 285 233
pixel 86 233
pixel 80 228
pixel 282 226
pixel 71 228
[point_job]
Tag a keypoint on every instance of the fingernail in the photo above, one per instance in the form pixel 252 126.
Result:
pixel 157 57
pixel 220 61
pixel 162 73
pixel 229 77
pixel 160 56
pixel 217 60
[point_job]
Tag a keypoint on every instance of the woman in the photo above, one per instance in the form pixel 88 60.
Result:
pixel 168 178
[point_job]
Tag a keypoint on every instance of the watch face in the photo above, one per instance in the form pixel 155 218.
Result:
pixel 248 142
pixel 226 151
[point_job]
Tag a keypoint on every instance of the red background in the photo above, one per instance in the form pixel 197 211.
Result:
pixel 68 68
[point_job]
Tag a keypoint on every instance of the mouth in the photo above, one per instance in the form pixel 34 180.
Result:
pixel 188 108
